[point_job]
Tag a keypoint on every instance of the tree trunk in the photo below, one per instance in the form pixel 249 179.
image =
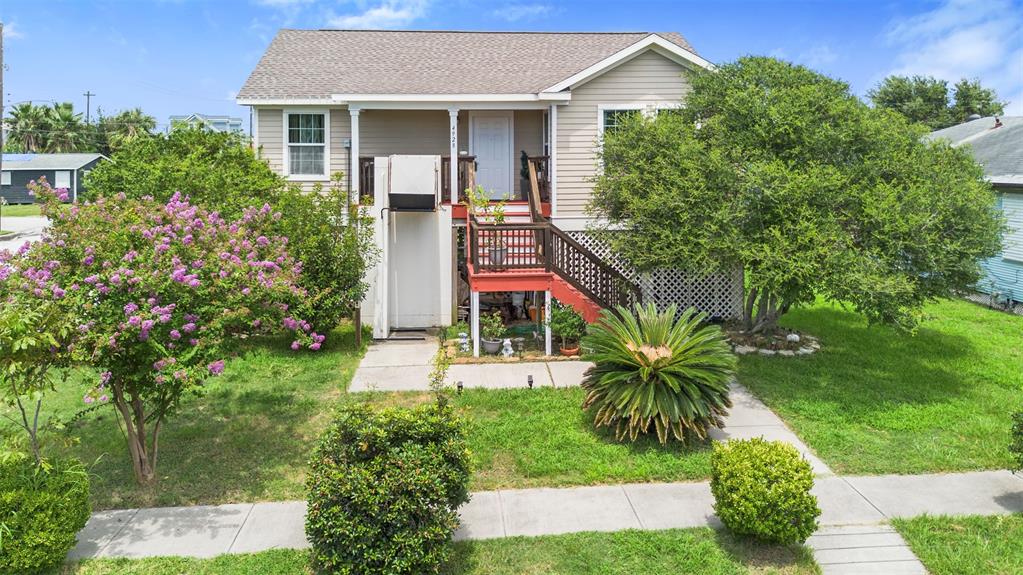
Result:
pixel 132 412
pixel 769 308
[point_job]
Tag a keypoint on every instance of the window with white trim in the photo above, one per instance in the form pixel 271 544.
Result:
pixel 307 144
pixel 611 119
pixel 62 180
pixel 5 178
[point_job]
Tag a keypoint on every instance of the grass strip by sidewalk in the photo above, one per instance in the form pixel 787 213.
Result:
pixel 876 400
pixel 248 438
pixel 704 551
pixel 19 210
pixel 541 437
pixel 968 545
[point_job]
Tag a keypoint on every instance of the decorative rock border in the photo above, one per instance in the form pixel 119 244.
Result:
pixel 809 344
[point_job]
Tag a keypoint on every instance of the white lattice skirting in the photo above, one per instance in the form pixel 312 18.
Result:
pixel 717 295
pixel 994 303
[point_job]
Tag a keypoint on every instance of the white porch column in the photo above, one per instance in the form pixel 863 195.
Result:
pixel 547 322
pixel 553 162
pixel 474 318
pixel 353 173
pixel 453 122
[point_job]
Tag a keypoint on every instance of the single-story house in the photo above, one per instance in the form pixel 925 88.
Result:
pixel 997 145
pixel 61 171
pixel 414 118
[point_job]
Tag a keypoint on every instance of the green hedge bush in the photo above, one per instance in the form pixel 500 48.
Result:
pixel 384 486
pixel 41 511
pixel 1016 447
pixel 762 488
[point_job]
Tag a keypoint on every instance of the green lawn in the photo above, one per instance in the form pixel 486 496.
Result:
pixel 875 400
pixel 971 545
pixel 670 552
pixel 19 210
pixel 542 437
pixel 247 439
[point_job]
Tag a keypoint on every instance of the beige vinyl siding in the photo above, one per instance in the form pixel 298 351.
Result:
pixel 410 132
pixel 647 79
pixel 528 137
pixel 270 131
pixel 270 134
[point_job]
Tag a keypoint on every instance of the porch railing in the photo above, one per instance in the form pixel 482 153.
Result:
pixel 540 245
pixel 366 179
pixel 542 167
pixel 466 176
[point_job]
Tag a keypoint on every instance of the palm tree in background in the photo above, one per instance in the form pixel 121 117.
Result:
pixel 125 127
pixel 67 131
pixel 28 126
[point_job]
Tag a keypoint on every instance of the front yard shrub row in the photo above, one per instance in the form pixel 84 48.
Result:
pixel 42 508
pixel 384 487
pixel 762 488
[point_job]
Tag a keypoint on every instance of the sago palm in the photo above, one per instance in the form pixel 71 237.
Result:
pixel 652 372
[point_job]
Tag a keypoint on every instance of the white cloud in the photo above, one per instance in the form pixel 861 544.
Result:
pixel 387 14
pixel 964 39
pixel 817 56
pixel 12 31
pixel 516 12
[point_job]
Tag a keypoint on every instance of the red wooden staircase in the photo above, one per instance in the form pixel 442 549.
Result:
pixel 528 252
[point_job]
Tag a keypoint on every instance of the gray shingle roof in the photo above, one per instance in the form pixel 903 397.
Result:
pixel 309 64
pixel 999 150
pixel 15 162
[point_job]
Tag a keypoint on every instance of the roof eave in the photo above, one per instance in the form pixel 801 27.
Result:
pixel 652 42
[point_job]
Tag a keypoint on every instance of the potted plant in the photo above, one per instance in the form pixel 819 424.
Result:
pixel 479 203
pixel 568 325
pixel 491 331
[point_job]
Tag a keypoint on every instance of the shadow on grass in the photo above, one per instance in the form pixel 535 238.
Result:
pixel 759 556
pixel 864 368
pixel 247 437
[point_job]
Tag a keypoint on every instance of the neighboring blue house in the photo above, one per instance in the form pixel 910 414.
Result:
pixel 61 171
pixel 997 144
pixel 215 123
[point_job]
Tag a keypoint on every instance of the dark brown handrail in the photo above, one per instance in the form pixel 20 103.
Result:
pixel 366 178
pixel 466 169
pixel 542 245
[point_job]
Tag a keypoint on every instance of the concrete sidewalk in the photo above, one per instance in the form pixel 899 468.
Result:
pixel 205 531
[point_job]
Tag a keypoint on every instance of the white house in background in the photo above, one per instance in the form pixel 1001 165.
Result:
pixel 215 123
pixel 418 117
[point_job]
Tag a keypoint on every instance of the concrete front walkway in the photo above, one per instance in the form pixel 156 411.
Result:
pixel 854 512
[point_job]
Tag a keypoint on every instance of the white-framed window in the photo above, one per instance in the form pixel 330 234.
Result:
pixel 307 144
pixel 5 178
pixel 612 118
pixel 62 180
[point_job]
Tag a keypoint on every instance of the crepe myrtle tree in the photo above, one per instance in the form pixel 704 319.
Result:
pixel 158 291
pixel 782 172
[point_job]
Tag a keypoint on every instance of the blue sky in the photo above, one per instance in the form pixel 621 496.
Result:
pixel 183 56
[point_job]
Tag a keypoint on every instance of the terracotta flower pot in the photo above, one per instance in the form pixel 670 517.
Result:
pixel 570 351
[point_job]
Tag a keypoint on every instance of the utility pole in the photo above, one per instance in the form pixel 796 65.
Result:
pixel 1 96
pixel 88 100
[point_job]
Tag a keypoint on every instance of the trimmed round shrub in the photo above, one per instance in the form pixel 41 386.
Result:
pixel 762 489
pixel 41 511
pixel 384 487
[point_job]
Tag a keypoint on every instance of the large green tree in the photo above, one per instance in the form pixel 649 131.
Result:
pixel 27 128
pixel 925 100
pixel 213 168
pixel 783 172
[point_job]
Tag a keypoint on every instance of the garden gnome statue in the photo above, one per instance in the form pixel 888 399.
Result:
pixel 463 341
pixel 507 350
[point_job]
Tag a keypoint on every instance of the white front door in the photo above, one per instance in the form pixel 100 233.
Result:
pixel 490 140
